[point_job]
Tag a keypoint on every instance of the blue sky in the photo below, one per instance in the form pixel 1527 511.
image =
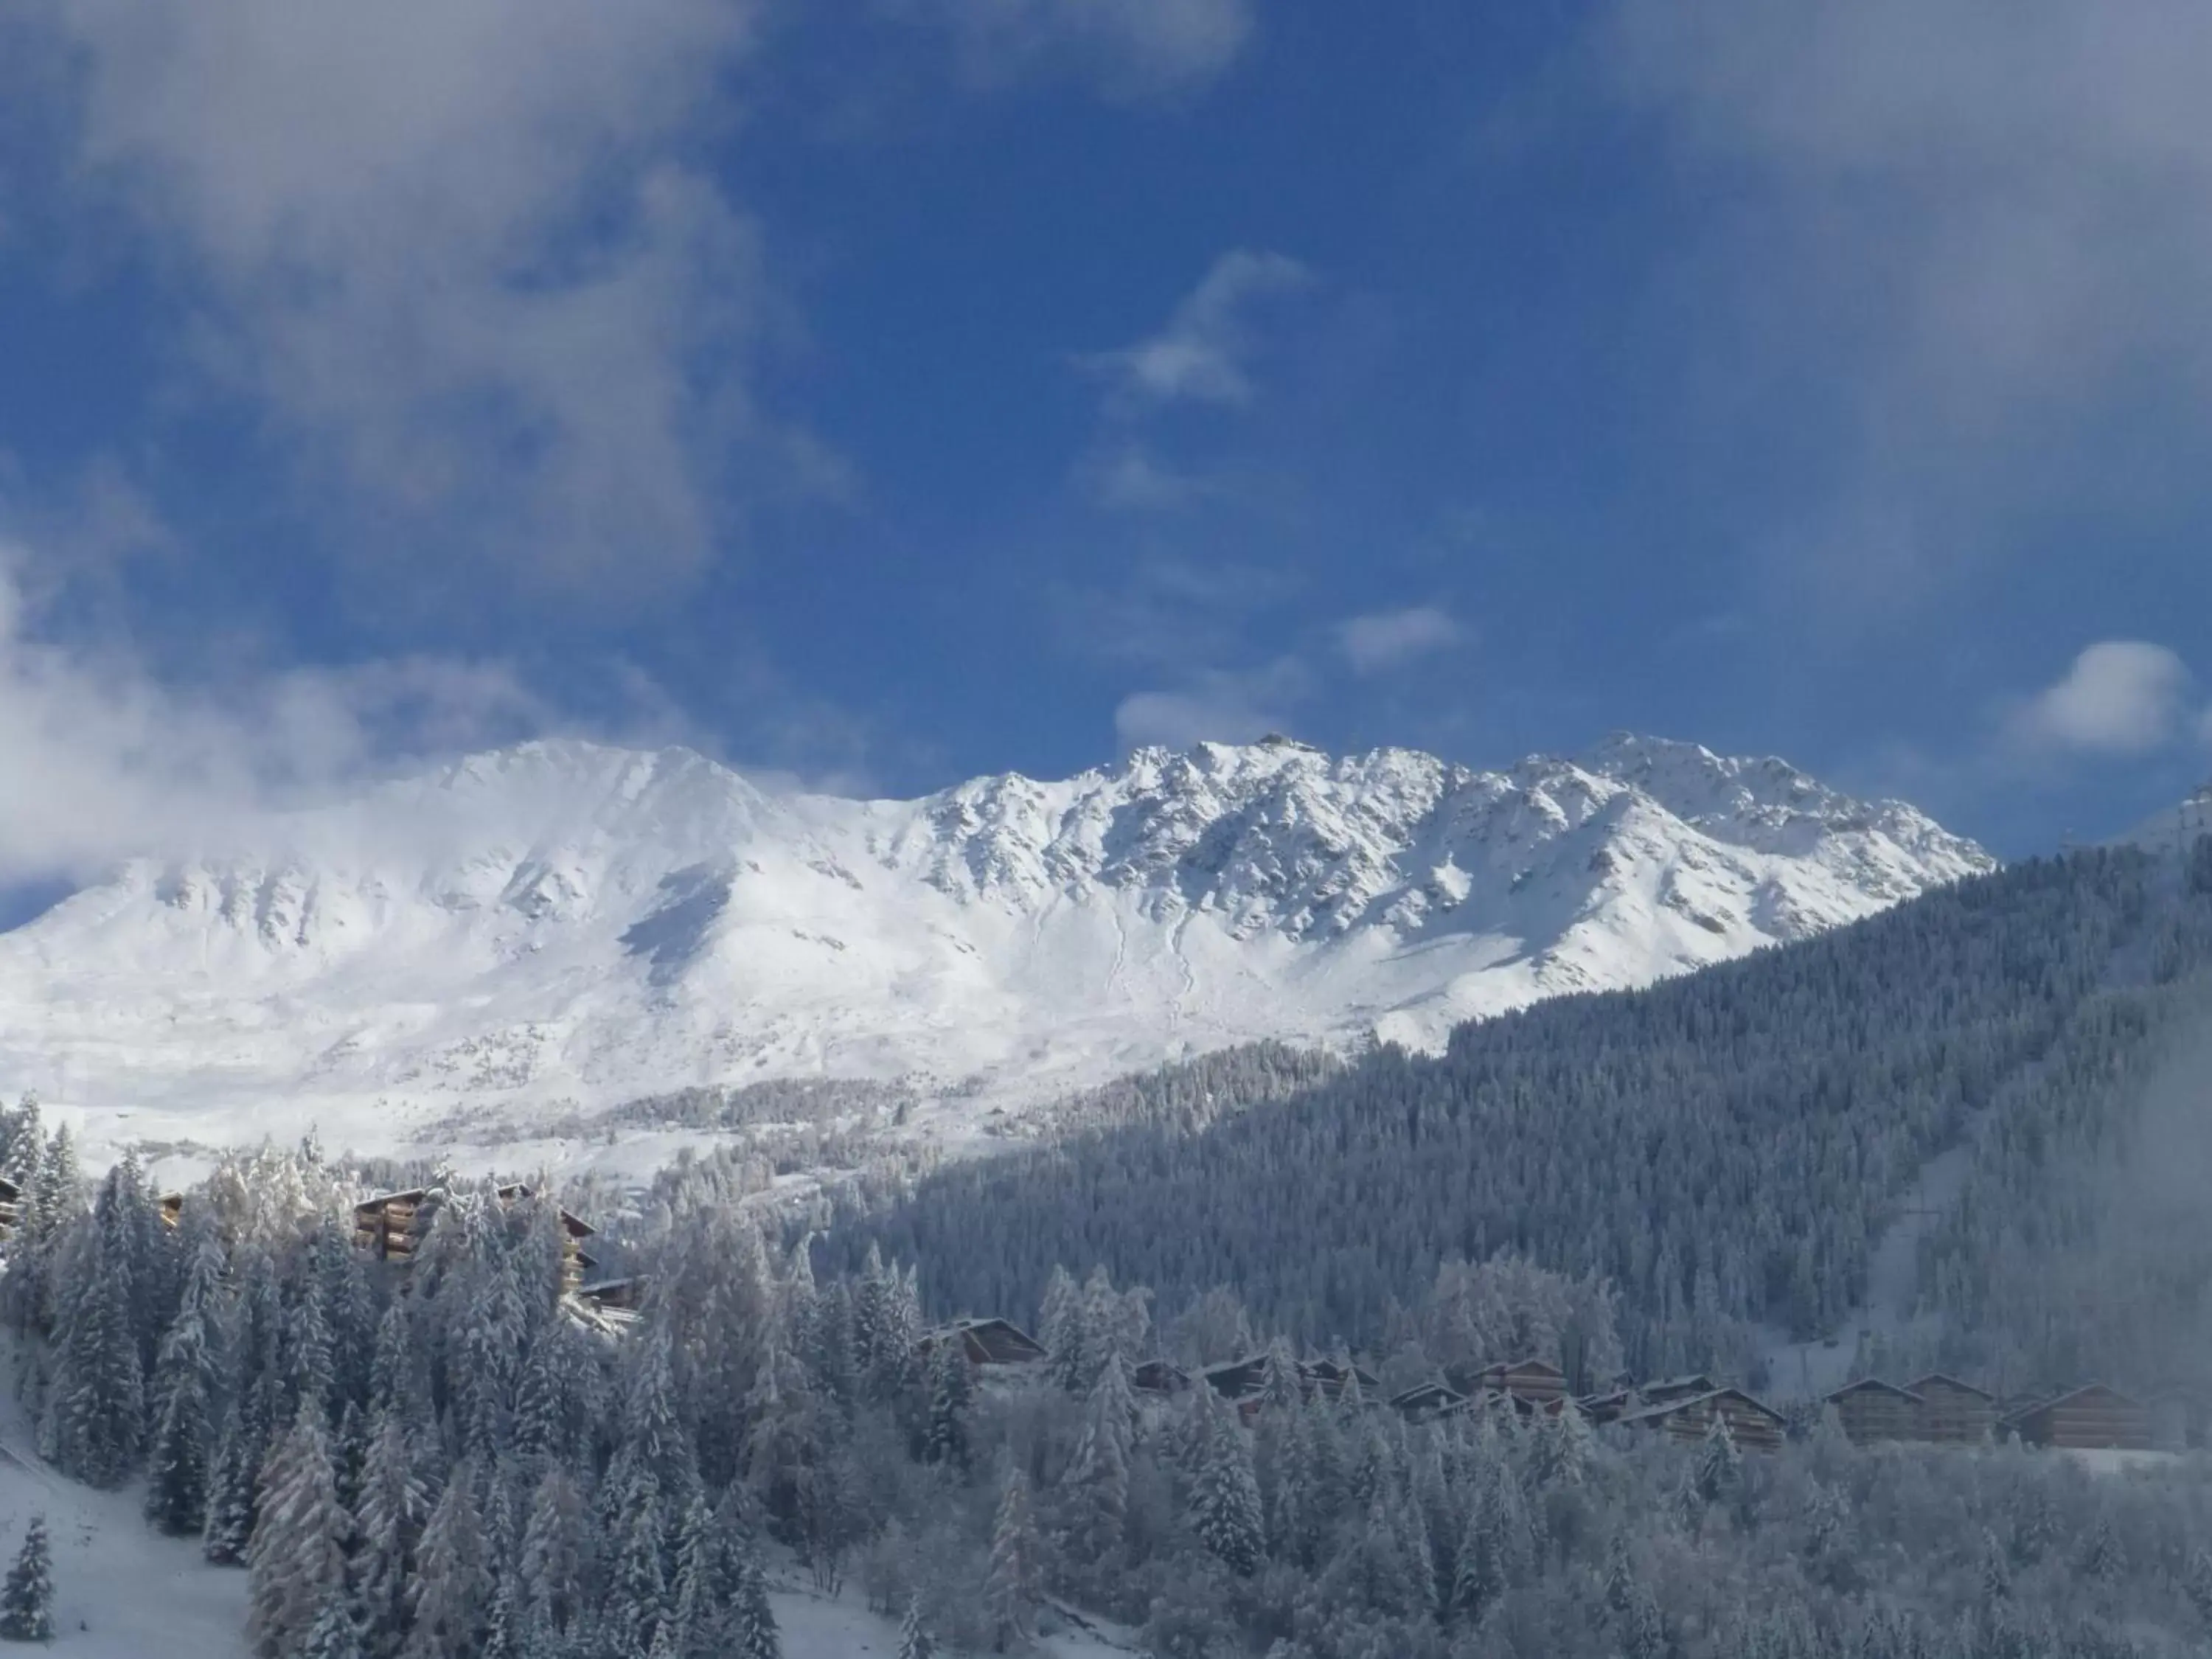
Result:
pixel 884 393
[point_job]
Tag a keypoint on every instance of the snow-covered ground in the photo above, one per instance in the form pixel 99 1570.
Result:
pixel 121 1591
pixel 570 923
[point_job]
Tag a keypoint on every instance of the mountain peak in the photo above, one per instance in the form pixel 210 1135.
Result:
pixel 572 921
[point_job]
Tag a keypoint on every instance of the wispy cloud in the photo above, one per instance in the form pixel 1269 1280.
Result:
pixel 2119 698
pixel 1203 356
pixel 105 759
pixel 1129 48
pixel 1982 225
pixel 1219 706
pixel 1384 640
pixel 454 254
pixel 1204 353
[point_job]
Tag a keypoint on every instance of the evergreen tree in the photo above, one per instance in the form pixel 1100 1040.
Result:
pixel 952 1388
pixel 753 1634
pixel 1720 1465
pixel 394 1506
pixel 182 1448
pixel 1060 1329
pixel 95 1413
pixel 914 1636
pixel 451 1593
pixel 334 1635
pixel 1010 1587
pixel 297 1556
pixel 551 1566
pixel 26 1598
pixel 1098 1481
pixel 1224 1497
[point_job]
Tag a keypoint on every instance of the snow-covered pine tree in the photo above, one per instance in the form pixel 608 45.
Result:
pixel 183 1448
pixel 753 1633
pixel 1097 1480
pixel 1224 1499
pixel 635 1604
pixel 1281 1387
pixel 297 1557
pixel 333 1635
pixel 394 1506
pixel 950 1388
pixel 551 1566
pixel 451 1591
pixel 915 1641
pixel 95 1412
pixel 1061 1330
pixel 1009 1587
pixel 1720 1465
pixel 26 1598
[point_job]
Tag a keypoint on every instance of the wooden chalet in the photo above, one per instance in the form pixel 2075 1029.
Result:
pixel 2180 1418
pixel 1161 1376
pixel 1330 1377
pixel 1677 1388
pixel 627 1294
pixel 384 1226
pixel 1755 1425
pixel 1532 1379
pixel 987 1342
pixel 1953 1412
pixel 1238 1379
pixel 172 1208
pixel 1241 1380
pixel 1610 1407
pixel 1872 1410
pixel 2093 1417
pixel 1427 1401
pixel 11 1197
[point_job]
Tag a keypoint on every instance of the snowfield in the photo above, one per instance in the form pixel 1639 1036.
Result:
pixel 569 923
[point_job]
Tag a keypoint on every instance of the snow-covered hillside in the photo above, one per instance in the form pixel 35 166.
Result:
pixel 567 921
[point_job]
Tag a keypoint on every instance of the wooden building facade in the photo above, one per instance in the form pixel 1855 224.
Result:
pixel 11 1198
pixel 1426 1402
pixel 1536 1380
pixel 386 1226
pixel 1954 1412
pixel 1755 1425
pixel 2092 1418
pixel 1872 1410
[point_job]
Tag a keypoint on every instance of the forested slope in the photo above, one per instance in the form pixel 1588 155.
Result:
pixel 1724 1148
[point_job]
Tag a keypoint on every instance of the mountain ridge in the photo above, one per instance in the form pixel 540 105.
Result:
pixel 564 919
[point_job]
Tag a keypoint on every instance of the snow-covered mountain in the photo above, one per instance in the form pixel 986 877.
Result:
pixel 564 921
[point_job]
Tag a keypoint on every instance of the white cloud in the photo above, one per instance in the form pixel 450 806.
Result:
pixel 1132 47
pixel 1389 639
pixel 1982 223
pixel 1219 706
pixel 1204 353
pixel 453 249
pixel 2120 697
pixel 104 759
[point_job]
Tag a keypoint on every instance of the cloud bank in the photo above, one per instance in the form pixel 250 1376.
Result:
pixel 455 253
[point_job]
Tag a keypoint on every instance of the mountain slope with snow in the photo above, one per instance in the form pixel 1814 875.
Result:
pixel 569 921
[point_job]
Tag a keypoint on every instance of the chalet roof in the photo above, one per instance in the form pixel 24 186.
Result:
pixel 1942 1380
pixel 575 1226
pixel 1160 1376
pixel 1694 1382
pixel 1531 1363
pixel 988 1341
pixel 1667 1409
pixel 10 1192
pixel 1876 1385
pixel 1424 1394
pixel 2036 1408
pixel 602 1286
